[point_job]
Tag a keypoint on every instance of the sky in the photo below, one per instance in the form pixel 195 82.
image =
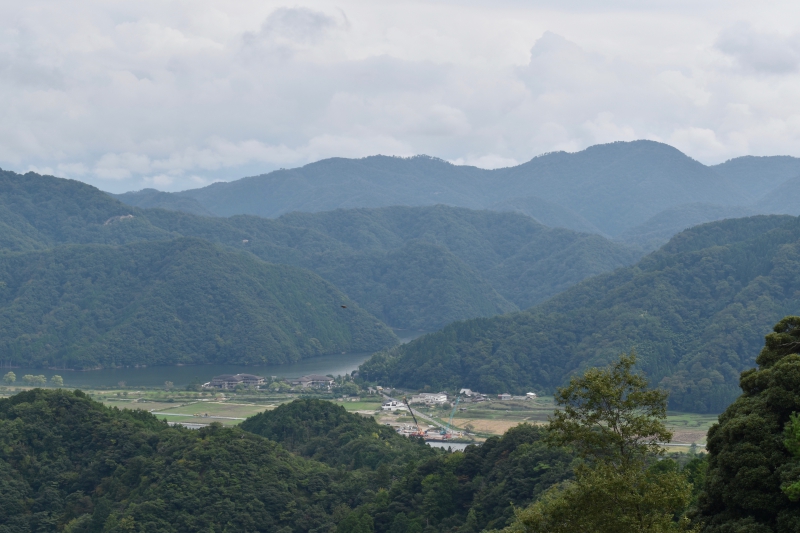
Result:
pixel 176 94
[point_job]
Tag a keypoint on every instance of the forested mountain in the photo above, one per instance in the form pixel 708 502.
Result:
pixel 69 464
pixel 783 199
pixel 420 267
pixel 37 212
pixel 606 189
pixel 466 492
pixel 660 228
pixel 696 312
pixel 758 175
pixel 168 302
pixel 417 268
pixel 547 213
pixel 613 186
pixel 326 432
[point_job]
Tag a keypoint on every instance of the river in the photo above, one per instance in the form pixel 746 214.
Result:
pixel 180 376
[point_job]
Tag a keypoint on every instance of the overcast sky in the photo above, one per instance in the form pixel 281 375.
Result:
pixel 177 94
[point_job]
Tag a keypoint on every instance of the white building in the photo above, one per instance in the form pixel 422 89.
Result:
pixel 531 395
pixel 430 399
pixel 393 405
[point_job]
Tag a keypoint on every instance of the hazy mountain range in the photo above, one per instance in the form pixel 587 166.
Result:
pixel 86 281
pixel 640 192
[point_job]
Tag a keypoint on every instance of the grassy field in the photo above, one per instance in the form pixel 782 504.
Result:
pixel 497 417
pixel 690 428
pixel 360 406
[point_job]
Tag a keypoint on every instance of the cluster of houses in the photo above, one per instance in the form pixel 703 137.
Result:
pixel 318 382
pixel 473 396
pixel 440 398
pixel 231 381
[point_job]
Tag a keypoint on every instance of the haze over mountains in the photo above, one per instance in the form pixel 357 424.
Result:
pixel 613 189
pixel 88 281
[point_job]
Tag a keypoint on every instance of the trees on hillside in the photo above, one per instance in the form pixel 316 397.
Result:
pixel 749 460
pixel 616 425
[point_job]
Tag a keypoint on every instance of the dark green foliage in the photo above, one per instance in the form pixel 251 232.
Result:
pixel 474 490
pixel 67 462
pixel 181 301
pixel 326 432
pixel 693 311
pixel 748 459
pixel 463 492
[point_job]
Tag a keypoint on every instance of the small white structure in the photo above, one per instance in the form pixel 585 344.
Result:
pixel 531 395
pixel 466 392
pixel 430 399
pixel 504 396
pixel 393 405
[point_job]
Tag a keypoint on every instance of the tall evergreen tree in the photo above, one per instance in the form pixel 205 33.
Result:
pixel 748 457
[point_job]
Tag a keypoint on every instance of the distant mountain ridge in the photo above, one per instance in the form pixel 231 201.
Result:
pixel 610 189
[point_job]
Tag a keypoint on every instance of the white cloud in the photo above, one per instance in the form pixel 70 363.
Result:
pixel 761 51
pixel 176 95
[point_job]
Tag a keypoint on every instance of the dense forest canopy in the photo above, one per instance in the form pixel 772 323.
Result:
pixel 751 464
pixel 68 463
pixel 696 312
pixel 326 432
pixel 168 302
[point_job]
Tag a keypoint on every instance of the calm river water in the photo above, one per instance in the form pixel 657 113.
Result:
pixel 181 376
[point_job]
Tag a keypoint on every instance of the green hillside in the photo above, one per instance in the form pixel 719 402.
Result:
pixel 326 432
pixel 522 260
pixel 38 212
pixel 70 464
pixel 696 312
pixel 418 268
pixel 180 301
